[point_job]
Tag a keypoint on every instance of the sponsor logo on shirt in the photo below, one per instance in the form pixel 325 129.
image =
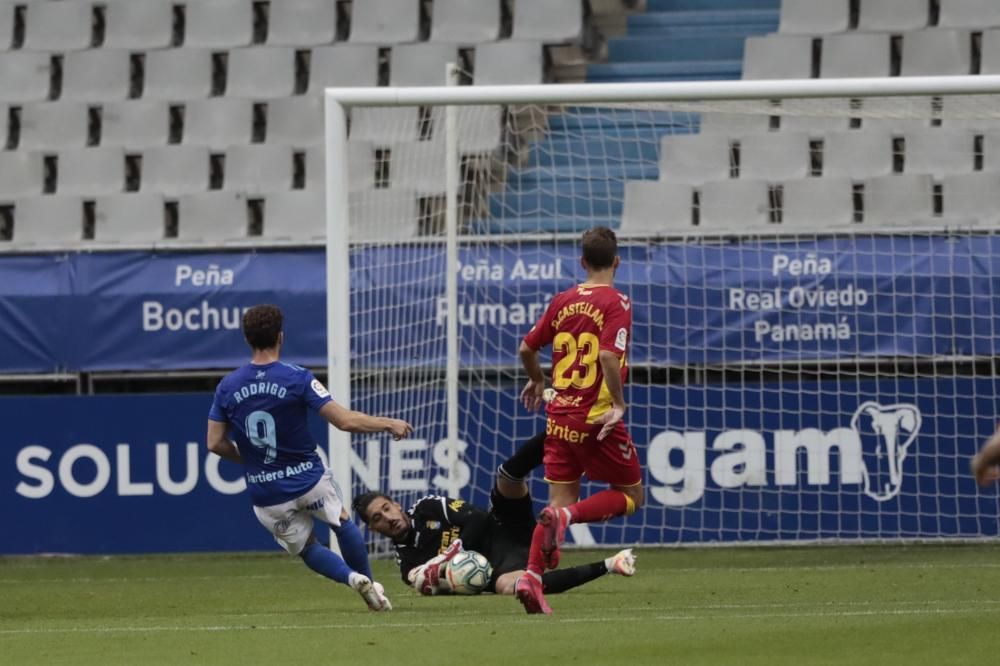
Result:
pixel 319 389
pixel 621 340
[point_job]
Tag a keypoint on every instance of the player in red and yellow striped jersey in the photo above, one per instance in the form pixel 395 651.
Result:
pixel 589 327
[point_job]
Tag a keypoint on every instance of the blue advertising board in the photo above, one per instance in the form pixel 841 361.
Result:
pixel 878 459
pixel 752 301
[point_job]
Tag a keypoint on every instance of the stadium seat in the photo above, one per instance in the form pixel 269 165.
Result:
pixel 939 152
pixel 815 117
pixel 734 125
pixel 361 156
pixel 982 116
pixel 218 123
pixel 480 129
pixel 818 204
pixel 261 73
pixel 975 14
pixel 54 126
pixel 342 66
pixel 808 17
pixel 175 170
pixel 99 75
pixel 775 156
pixel 295 121
pixel 385 126
pixel 421 64
pixel 973 197
pixel 258 169
pixel 548 21
pixel 297 215
pixel 138 25
pixel 465 21
pixel 23 174
pixel 383 215
pixel 508 63
pixel 855 55
pixel 777 57
pixel 418 166
pixel 899 200
pixel 302 23
pixel 890 114
pixel 178 75
pixel 48 221
pixel 734 206
pixel 315 163
pixel 361 175
pixel 91 171
pixel 695 158
pixel 991 151
pixel 653 207
pixel 990 53
pixel 135 124
pixel 58 26
pixel 212 216
pixel 24 77
pixel 893 15
pixel 385 21
pixel 857 154
pixel 6 25
pixel 129 218
pixel 220 24
pixel 938 52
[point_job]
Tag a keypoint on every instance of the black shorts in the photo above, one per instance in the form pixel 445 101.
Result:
pixel 514 523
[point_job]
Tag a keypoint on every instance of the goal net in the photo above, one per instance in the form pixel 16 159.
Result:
pixel 815 287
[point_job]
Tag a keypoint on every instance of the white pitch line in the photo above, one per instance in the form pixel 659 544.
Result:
pixel 485 622
pixel 707 569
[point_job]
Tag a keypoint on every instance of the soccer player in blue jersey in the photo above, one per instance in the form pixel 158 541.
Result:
pixel 262 405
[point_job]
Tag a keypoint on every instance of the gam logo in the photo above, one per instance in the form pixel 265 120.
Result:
pixel 886 433
pixel 871 453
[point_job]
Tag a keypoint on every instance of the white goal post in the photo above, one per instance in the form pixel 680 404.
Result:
pixel 791 382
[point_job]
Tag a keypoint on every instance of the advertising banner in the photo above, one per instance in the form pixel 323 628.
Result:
pixel 879 459
pixel 799 300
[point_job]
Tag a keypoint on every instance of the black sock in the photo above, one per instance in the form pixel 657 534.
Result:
pixel 560 580
pixel 527 457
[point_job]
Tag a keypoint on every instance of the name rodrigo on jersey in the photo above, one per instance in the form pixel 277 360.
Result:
pixel 259 388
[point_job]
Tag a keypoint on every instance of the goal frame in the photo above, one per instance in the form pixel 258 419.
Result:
pixel 339 101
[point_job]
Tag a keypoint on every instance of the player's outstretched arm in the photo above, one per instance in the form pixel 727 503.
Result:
pixel 611 366
pixel 354 421
pixel 219 443
pixel 531 396
pixel 986 463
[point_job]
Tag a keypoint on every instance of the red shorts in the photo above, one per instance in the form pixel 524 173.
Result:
pixel 572 450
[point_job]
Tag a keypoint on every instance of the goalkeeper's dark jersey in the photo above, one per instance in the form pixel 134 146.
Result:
pixel 502 535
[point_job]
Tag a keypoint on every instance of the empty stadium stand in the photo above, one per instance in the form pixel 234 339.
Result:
pixel 202 108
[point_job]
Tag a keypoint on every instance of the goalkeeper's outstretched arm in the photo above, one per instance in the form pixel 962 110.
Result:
pixel 986 463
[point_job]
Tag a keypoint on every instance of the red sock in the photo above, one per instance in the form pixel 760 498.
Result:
pixel 600 506
pixel 535 564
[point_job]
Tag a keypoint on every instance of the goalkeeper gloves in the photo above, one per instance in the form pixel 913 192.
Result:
pixel 427 579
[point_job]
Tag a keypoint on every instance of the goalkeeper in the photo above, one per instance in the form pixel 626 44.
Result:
pixel 424 536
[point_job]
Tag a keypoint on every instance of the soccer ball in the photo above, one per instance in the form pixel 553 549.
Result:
pixel 468 573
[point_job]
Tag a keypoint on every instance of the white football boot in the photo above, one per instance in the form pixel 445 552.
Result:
pixel 621 563
pixel 373 596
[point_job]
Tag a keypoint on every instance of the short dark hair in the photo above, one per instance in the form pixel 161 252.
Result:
pixel 363 501
pixel 261 326
pixel 600 247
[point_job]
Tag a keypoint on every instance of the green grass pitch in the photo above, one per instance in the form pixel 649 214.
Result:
pixel 881 605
